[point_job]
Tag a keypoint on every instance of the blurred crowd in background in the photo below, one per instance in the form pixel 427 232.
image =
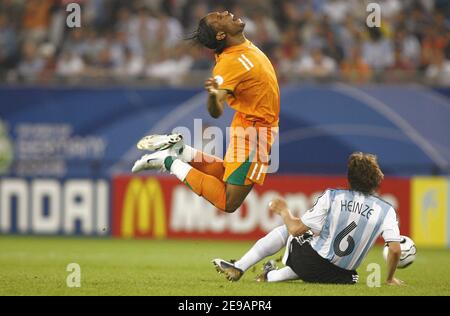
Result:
pixel 142 41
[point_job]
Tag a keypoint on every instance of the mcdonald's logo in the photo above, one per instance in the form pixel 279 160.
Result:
pixel 144 210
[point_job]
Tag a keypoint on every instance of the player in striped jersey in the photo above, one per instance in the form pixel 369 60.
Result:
pixel 244 78
pixel 344 224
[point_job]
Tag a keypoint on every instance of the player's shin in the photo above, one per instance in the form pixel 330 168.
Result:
pixel 209 187
pixel 266 246
pixel 208 164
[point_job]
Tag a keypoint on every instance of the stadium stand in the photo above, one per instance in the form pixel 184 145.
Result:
pixel 142 41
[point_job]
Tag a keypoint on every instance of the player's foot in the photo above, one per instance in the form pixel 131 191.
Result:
pixel 231 272
pixel 162 142
pixel 267 267
pixel 153 161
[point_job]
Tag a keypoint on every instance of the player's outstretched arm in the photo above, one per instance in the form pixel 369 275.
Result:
pixel 216 98
pixel 392 262
pixel 294 224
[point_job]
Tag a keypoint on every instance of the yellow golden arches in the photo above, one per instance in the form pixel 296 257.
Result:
pixel 144 209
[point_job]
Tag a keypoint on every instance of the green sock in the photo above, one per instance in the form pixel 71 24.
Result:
pixel 168 162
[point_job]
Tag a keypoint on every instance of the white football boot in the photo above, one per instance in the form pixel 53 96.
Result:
pixel 228 268
pixel 153 161
pixel 164 145
pixel 162 142
pixel 267 267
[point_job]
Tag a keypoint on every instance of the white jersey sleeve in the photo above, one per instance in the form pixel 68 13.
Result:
pixel 390 231
pixel 315 217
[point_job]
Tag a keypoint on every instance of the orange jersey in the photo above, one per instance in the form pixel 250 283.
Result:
pixel 246 71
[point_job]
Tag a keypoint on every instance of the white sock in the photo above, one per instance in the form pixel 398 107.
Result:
pixel 283 274
pixel 266 246
pixel 180 169
pixel 188 153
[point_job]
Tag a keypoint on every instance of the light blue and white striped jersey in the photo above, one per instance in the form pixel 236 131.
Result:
pixel 347 223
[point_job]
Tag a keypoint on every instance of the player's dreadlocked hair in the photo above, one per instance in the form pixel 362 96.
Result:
pixel 205 35
pixel 364 173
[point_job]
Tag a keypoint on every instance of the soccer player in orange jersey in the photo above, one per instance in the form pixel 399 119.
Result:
pixel 244 78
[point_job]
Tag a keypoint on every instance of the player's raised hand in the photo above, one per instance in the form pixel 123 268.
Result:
pixel 211 86
pixel 278 206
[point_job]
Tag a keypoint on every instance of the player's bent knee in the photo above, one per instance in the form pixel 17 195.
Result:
pixel 232 205
pixel 231 209
pixel 235 196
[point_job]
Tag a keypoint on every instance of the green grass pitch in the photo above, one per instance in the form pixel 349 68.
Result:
pixel 37 266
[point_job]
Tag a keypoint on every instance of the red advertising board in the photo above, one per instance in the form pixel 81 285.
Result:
pixel 162 207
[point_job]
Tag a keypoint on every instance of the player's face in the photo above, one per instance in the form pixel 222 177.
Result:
pixel 225 22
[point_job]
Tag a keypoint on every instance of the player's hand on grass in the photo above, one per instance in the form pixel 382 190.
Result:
pixel 211 86
pixel 278 206
pixel 395 282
